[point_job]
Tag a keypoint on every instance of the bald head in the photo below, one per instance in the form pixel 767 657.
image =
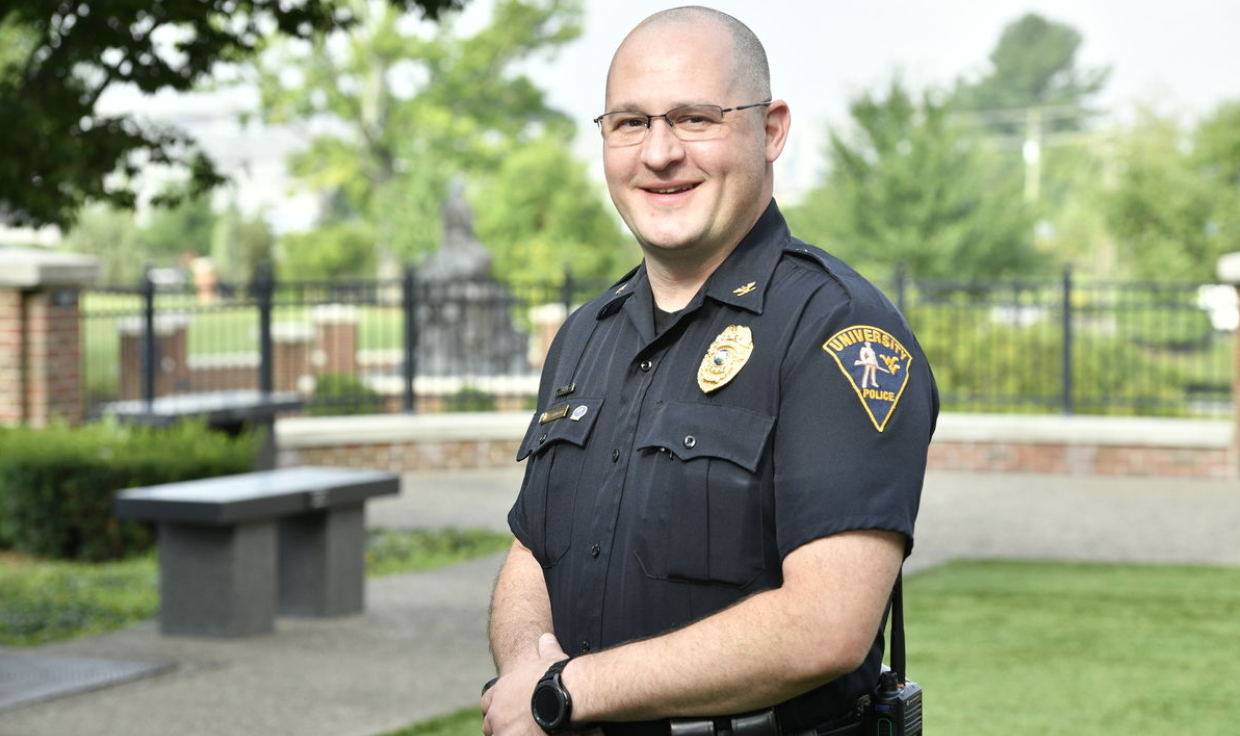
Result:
pixel 750 72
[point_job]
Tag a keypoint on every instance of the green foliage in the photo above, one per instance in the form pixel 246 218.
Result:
pixel 113 236
pixel 50 601
pixel 1116 649
pixel 984 360
pixel 1176 206
pixel 240 246
pixel 469 398
pixel 57 485
pixel 540 214
pixel 184 228
pixel 1033 64
pixel 333 251
pixel 338 394
pixel 464 722
pixel 907 185
pixel 391 551
pixel 417 110
pixel 56 59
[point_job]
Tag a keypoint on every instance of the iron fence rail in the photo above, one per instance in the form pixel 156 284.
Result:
pixel 1052 345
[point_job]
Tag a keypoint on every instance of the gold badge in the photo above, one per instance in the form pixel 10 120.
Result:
pixel 876 365
pixel 725 357
pixel 742 291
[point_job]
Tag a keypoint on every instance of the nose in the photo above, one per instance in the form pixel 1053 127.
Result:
pixel 661 148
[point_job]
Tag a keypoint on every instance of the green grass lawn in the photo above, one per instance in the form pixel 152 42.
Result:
pixel 1047 649
pixel 1074 649
pixel 47 601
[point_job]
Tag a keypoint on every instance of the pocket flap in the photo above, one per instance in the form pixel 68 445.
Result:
pixel 564 421
pixel 691 430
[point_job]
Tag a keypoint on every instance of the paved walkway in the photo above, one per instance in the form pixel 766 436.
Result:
pixel 420 649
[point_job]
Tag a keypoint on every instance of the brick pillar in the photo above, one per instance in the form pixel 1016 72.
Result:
pixel 171 353
pixel 290 347
pixel 547 319
pixel 335 348
pixel 40 346
pixel 1229 273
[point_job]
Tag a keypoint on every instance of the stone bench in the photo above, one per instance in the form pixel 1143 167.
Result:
pixel 237 549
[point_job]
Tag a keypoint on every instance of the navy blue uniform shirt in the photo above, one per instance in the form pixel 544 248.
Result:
pixel 669 474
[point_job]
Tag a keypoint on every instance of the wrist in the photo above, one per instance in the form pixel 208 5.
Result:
pixel 551 704
pixel 573 681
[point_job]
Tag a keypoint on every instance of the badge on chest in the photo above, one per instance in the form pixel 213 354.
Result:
pixel 725 357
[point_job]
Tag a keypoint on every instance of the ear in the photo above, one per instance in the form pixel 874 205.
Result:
pixel 778 121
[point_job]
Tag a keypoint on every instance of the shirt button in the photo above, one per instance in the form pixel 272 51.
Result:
pixel 615 456
pixel 595 550
pixel 690 441
pixel 646 366
pixel 585 647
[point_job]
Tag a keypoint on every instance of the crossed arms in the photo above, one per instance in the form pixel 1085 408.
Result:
pixel 766 649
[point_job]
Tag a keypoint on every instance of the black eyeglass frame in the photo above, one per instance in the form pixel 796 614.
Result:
pixel 651 118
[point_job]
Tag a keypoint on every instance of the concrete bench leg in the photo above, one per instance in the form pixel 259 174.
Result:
pixel 217 581
pixel 323 562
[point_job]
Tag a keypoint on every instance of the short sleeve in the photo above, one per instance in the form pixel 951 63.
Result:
pixel 857 412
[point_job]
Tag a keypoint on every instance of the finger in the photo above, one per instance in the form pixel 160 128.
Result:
pixel 549 646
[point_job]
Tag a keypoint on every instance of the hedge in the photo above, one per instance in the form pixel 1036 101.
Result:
pixel 57 484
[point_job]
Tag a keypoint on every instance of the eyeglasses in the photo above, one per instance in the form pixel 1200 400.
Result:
pixel 688 123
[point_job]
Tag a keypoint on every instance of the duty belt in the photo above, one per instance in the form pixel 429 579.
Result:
pixel 762 723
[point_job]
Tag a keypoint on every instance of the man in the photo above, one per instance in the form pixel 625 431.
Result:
pixel 714 510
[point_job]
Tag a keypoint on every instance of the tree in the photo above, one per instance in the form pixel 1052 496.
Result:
pixel 414 111
pixel 1176 204
pixel 112 236
pixel 542 216
pixel 57 58
pixel 179 230
pixel 334 251
pixel 907 185
pixel 1033 65
pixel 240 245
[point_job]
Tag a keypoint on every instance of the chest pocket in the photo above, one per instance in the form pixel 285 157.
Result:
pixel 556 449
pixel 705 509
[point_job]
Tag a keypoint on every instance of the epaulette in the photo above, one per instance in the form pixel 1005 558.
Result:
pixel 813 253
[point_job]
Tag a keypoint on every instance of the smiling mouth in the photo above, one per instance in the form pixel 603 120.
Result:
pixel 671 190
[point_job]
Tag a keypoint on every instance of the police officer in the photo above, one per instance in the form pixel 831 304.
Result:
pixel 715 506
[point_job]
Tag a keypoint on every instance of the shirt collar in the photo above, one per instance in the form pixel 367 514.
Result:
pixel 741 280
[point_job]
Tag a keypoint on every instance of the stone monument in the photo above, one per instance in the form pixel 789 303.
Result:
pixel 465 323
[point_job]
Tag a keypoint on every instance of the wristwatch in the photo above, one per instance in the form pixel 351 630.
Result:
pixel 551 704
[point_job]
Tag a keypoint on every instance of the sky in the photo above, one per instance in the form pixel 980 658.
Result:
pixel 1182 57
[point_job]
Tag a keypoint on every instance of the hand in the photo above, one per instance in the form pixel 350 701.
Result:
pixel 506 705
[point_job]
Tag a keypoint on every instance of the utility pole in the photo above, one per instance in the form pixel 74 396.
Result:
pixel 1031 151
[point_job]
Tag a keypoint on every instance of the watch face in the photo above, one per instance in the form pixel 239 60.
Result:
pixel 548 707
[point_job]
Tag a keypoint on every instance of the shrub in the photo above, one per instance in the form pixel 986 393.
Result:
pixel 57 485
pixel 470 399
pixel 337 394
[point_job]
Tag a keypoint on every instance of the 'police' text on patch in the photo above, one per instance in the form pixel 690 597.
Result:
pixel 876 365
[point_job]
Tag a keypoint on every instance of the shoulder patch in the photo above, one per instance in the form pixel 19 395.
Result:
pixel 875 364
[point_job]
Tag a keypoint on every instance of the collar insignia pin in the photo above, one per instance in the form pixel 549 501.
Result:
pixel 725 357
pixel 743 290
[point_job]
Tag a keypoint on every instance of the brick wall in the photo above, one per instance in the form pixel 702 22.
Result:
pixel 1076 459
pixel 12 350
pixel 964 442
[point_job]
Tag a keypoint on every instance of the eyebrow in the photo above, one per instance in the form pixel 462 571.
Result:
pixel 634 107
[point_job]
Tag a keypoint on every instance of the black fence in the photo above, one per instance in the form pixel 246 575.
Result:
pixel 1053 346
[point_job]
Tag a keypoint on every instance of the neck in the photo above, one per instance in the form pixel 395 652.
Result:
pixel 674 283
